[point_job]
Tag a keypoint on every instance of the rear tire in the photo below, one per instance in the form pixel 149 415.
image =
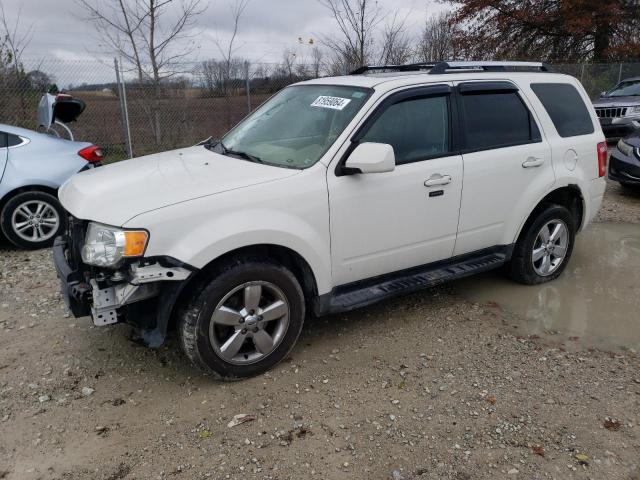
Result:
pixel 544 247
pixel 243 321
pixel 33 220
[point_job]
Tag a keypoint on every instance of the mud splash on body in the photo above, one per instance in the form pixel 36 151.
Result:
pixel 594 303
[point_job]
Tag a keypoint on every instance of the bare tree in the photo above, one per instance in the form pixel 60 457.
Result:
pixel 216 75
pixel 141 32
pixel 317 59
pixel 395 44
pixel 14 41
pixel 227 52
pixel 357 20
pixel 438 39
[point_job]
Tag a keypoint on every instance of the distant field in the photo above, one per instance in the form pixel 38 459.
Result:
pixel 183 119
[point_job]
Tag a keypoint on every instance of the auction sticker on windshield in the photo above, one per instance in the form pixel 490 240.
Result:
pixel 336 103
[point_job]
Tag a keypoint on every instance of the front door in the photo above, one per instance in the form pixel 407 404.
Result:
pixel 386 222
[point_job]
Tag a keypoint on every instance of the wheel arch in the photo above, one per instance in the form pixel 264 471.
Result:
pixel 27 188
pixel 569 196
pixel 291 259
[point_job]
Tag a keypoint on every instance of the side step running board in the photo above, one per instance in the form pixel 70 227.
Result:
pixel 363 293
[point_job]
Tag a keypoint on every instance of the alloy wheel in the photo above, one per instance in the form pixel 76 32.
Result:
pixel 249 322
pixel 35 221
pixel 550 247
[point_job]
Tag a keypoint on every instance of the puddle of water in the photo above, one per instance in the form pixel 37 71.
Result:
pixel 596 299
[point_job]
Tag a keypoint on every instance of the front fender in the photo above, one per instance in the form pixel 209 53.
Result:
pixel 200 231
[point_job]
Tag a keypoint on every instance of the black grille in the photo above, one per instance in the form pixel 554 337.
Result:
pixel 75 233
pixel 613 112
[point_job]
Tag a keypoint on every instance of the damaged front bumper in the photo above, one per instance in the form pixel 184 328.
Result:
pixel 142 293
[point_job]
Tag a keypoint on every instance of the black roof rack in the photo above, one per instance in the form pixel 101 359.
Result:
pixel 488 66
pixel 410 67
pixel 439 68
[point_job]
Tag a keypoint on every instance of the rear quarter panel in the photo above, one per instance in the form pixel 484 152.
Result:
pixel 574 159
pixel 43 161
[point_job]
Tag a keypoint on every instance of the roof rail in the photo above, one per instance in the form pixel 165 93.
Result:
pixel 487 66
pixel 411 67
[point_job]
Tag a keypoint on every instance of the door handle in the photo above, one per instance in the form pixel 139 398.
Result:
pixel 436 180
pixel 532 162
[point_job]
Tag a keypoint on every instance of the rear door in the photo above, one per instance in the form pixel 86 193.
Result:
pixel 507 163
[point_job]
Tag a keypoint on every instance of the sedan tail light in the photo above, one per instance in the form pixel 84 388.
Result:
pixel 602 159
pixel 92 154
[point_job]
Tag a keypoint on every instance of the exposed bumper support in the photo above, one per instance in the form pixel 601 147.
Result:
pixel 142 295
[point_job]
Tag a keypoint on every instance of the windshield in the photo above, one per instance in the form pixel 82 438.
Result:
pixel 626 89
pixel 297 126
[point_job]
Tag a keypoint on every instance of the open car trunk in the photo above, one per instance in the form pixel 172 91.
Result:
pixel 62 107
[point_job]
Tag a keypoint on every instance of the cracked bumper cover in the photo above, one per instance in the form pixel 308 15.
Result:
pixel 144 300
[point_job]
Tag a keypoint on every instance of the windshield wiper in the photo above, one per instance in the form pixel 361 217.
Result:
pixel 244 155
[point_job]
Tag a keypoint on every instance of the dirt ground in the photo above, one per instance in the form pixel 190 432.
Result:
pixel 430 386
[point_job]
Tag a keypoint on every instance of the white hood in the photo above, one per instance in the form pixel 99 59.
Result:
pixel 118 192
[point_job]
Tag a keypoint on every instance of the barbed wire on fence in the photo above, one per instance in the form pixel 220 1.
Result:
pixel 204 99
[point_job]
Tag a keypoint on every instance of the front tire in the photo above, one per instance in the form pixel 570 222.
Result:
pixel 32 220
pixel 544 248
pixel 244 321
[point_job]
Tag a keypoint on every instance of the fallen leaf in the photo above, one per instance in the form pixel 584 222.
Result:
pixel 612 424
pixel 241 418
pixel 492 399
pixel 204 434
pixel 538 450
pixel 582 458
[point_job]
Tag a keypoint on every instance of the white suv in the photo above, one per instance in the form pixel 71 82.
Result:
pixel 334 194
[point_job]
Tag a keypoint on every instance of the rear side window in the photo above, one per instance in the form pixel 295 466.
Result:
pixel 496 119
pixel 566 108
pixel 8 139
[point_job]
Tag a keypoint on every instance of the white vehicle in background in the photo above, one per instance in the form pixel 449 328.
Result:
pixel 334 194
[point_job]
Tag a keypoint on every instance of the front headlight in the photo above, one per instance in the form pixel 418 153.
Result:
pixel 106 246
pixel 625 148
pixel 633 110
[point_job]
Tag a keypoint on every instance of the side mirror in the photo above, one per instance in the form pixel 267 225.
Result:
pixel 372 158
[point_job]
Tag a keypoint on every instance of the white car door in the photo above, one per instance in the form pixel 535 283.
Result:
pixel 386 222
pixel 507 164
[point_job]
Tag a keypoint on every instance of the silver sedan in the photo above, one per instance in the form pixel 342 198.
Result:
pixel 32 167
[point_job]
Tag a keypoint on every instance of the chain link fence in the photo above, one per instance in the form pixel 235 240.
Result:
pixel 128 117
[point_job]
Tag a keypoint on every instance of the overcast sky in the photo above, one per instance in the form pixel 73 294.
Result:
pixel 267 28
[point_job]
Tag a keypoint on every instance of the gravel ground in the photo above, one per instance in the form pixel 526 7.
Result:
pixel 428 386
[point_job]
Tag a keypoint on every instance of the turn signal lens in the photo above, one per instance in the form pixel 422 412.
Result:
pixel 135 243
pixel 602 159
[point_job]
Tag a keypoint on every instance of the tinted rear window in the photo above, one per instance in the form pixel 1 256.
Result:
pixel 497 119
pixel 566 108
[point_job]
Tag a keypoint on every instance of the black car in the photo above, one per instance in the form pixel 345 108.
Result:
pixel 624 164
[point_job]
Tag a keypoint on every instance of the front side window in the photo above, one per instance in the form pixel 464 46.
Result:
pixel 566 108
pixel 416 128
pixel 496 119
pixel 297 126
pixel 630 88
